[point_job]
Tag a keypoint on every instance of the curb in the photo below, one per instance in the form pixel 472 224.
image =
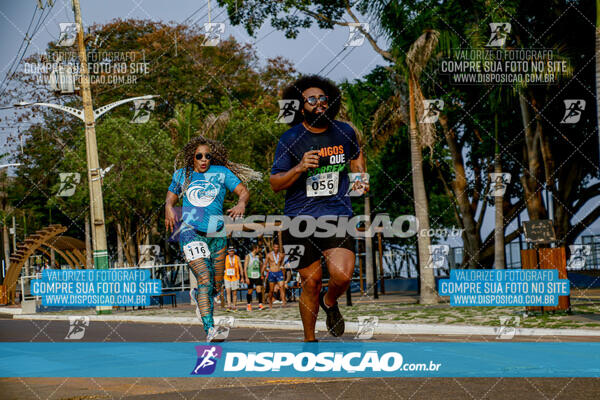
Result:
pixel 351 327
pixel 10 310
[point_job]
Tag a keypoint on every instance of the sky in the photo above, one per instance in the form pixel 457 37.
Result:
pixel 310 52
pixel 313 51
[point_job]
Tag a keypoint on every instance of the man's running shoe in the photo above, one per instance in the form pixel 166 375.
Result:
pixel 335 321
pixel 260 306
pixel 193 296
pixel 276 301
pixel 249 307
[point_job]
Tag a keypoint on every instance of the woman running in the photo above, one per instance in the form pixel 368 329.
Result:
pixel 203 180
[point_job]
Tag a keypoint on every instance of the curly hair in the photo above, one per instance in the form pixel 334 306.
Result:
pixel 220 156
pixel 294 92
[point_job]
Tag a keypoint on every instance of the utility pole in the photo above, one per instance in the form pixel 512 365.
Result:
pixel 96 202
pixel 5 238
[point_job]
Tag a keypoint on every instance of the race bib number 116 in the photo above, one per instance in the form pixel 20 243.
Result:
pixel 195 250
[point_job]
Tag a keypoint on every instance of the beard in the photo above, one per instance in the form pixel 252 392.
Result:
pixel 316 120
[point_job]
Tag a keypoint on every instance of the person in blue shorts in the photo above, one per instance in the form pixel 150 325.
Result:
pixel 274 264
pixel 202 182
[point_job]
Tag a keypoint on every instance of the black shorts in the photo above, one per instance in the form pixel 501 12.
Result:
pixel 301 252
pixel 254 283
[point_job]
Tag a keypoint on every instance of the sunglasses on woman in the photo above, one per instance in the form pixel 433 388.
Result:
pixel 313 100
pixel 199 156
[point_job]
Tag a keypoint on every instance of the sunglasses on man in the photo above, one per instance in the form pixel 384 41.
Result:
pixel 199 156
pixel 313 100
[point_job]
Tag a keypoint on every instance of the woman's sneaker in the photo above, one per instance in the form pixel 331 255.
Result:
pixel 211 336
pixel 193 296
pixel 214 335
pixel 335 322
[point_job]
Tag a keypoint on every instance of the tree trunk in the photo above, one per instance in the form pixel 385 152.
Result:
pixel 371 279
pixel 471 237
pixel 130 253
pixel 119 245
pixel 428 293
pixel 6 244
pixel 532 176
pixel 499 261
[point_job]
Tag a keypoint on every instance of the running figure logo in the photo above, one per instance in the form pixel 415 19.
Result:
pixel 356 37
pixel 499 34
pixel 498 183
pixel 148 254
pixel 508 327
pixel 68 183
pixel 287 110
pixel 143 108
pixel 223 325
pixel 293 252
pixel 579 253
pixel 207 359
pixel 573 110
pixel 437 255
pixel 68 34
pixel 431 111
pixel 212 33
pixel 366 327
pixel 77 327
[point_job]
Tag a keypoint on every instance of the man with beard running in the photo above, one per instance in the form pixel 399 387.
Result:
pixel 312 162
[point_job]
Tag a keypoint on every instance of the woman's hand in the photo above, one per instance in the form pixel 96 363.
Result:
pixel 237 210
pixel 170 218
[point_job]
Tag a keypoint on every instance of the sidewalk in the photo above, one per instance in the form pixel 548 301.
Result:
pixel 397 314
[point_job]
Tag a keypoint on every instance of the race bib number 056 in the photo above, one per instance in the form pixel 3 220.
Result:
pixel 325 184
pixel 196 250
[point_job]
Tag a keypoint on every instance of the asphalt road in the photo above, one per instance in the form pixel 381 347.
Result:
pixel 100 331
pixel 268 388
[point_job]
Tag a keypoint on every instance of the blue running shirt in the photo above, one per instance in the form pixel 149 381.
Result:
pixel 337 145
pixel 204 196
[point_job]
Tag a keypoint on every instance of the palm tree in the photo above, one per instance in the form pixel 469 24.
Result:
pixel 421 135
pixel 386 121
pixel 499 259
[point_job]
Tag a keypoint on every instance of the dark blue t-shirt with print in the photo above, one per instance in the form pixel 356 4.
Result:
pixel 309 195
